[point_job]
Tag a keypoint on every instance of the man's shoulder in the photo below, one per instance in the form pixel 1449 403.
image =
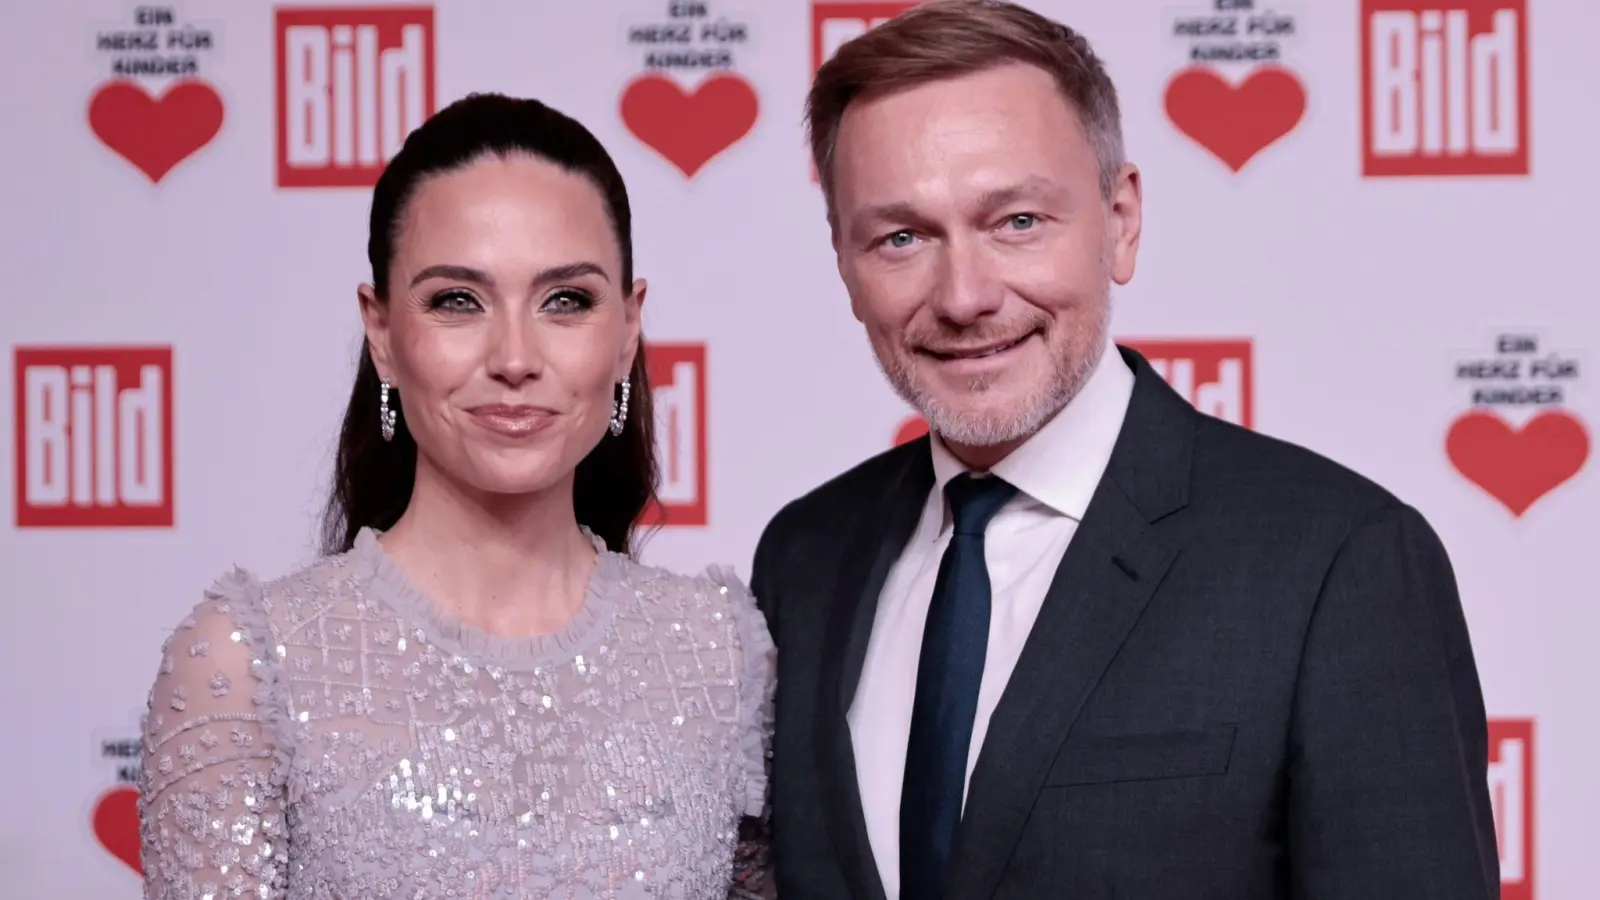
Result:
pixel 845 494
pixel 1266 470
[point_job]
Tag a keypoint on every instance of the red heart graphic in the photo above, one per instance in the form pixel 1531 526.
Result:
pixel 690 128
pixel 1517 467
pixel 116 824
pixel 910 430
pixel 1235 122
pixel 155 135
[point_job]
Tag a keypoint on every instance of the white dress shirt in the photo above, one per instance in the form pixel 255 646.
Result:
pixel 1055 473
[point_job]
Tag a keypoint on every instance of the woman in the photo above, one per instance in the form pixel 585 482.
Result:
pixel 477 692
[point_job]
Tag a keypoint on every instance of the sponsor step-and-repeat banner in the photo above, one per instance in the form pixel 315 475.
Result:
pixel 1354 240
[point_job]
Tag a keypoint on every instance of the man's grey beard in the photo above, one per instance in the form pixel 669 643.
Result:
pixel 985 429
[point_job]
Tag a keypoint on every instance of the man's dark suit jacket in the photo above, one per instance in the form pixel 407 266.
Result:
pixel 1251 678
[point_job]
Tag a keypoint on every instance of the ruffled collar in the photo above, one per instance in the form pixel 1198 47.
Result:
pixel 448 632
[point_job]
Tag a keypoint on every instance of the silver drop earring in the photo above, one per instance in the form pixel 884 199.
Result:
pixel 619 411
pixel 386 416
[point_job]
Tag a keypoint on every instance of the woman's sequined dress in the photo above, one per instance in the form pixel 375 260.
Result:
pixel 337 734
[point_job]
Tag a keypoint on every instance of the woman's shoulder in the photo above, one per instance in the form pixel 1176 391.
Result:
pixel 226 655
pixel 240 598
pixel 714 601
pixel 715 588
pixel 714 597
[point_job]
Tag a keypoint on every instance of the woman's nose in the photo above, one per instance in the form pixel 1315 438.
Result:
pixel 513 351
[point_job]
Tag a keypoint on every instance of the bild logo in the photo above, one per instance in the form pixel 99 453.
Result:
pixel 1511 791
pixel 94 437
pixel 352 83
pixel 1215 375
pixel 1445 87
pixel 678 392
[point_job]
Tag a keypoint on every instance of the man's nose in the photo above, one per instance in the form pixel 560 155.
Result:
pixel 968 287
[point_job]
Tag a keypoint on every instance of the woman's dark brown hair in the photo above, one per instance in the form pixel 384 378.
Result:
pixel 373 478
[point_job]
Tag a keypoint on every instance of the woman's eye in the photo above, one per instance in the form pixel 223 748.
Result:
pixel 455 301
pixel 569 301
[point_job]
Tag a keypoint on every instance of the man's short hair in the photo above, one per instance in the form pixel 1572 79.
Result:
pixel 943 39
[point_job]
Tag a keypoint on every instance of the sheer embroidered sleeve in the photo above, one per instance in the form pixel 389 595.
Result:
pixel 213 779
pixel 752 856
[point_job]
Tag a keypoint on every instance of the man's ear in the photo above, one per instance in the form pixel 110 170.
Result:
pixel 838 259
pixel 844 278
pixel 1126 222
pixel 375 320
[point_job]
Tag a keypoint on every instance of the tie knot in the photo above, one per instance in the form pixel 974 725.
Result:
pixel 975 500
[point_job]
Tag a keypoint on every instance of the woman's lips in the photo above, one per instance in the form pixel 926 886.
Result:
pixel 512 420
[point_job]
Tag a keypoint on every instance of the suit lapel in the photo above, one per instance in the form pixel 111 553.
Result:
pixel 1111 568
pixel 875 542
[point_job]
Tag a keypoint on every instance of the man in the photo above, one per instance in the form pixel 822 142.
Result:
pixel 1083 641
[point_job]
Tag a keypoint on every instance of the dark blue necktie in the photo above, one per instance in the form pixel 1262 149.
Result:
pixel 954 643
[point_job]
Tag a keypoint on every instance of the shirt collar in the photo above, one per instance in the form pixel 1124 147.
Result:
pixel 1062 463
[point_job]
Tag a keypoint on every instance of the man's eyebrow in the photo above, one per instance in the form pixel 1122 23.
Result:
pixel 1032 187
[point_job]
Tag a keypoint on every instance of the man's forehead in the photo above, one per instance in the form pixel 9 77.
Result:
pixel 979 193
pixel 885 143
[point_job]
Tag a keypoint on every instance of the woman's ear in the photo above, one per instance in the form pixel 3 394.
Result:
pixel 375 320
pixel 633 314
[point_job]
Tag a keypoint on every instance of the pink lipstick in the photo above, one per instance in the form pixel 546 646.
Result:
pixel 512 420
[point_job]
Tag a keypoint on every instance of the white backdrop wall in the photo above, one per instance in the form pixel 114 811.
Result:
pixel 1360 247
